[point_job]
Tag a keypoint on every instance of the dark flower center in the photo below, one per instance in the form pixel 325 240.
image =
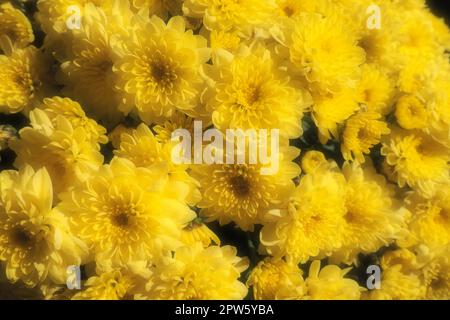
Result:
pixel 20 237
pixel 240 186
pixel 121 219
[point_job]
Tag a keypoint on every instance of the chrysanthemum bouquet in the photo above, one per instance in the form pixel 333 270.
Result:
pixel 94 205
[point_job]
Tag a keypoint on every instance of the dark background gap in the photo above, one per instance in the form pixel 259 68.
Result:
pixel 441 8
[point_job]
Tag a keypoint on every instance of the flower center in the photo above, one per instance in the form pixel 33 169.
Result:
pixel 162 73
pixel 438 283
pixel 20 237
pixel 248 96
pixel 105 66
pixel 288 11
pixel 120 219
pixel 240 185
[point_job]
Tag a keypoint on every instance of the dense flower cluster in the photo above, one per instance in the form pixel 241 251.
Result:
pixel 361 99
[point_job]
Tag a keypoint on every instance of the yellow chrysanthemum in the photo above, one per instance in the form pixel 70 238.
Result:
pixel 115 284
pixel 313 220
pixel 220 39
pixel 108 286
pixel 375 31
pixel 416 37
pixel 430 220
pixel 375 90
pixel 163 132
pixel 250 92
pixel 73 112
pixel 313 159
pixel 329 283
pixel 362 132
pixel 373 217
pixel 401 277
pixel 437 277
pixel 54 14
pixel 87 72
pixel 418 161
pixel 241 193
pixel 330 111
pixel 159 72
pixel 403 257
pixel 67 152
pixel 230 14
pixel 325 52
pixel 411 112
pixel 398 285
pixel 35 241
pixel 197 273
pixel 126 213
pixel 23 80
pixel 144 150
pixel 438 104
pixel 276 280
pixel 116 134
pixel 15 25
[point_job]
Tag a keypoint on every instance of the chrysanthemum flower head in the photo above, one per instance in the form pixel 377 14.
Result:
pixel 331 111
pixel 14 25
pixel 24 80
pixel 241 193
pixel 108 286
pixel 411 112
pixel 313 159
pixel 126 213
pixel 54 14
pixel 230 14
pixel 406 258
pixel 160 72
pixel 87 72
pixel 437 277
pixel 373 217
pixel 35 241
pixel 178 120
pixel 67 152
pixel 116 283
pixel 312 222
pixel 144 150
pixel 249 92
pixel 362 132
pixel 438 104
pixel 416 32
pixel 325 52
pixel 198 273
pixel 430 219
pixel 398 285
pixel 418 160
pixel 329 283
pixel 378 41
pixel 221 39
pixel 274 279
pixel 375 89
pixel 73 112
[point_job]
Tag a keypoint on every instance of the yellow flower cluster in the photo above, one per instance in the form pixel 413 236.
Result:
pixel 356 92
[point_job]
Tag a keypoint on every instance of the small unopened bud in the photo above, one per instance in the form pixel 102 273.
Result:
pixel 7 133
